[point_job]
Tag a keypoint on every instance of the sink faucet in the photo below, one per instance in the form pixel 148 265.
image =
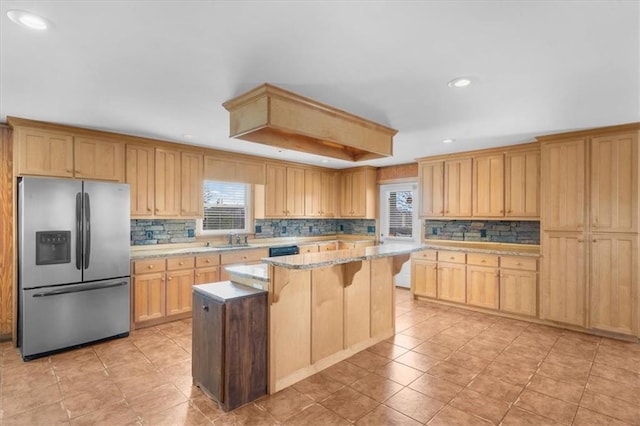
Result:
pixel 208 244
pixel 237 239
pixel 230 238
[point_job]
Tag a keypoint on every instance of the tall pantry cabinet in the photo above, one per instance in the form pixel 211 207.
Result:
pixel 589 226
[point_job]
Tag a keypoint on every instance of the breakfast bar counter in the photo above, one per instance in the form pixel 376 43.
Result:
pixel 325 307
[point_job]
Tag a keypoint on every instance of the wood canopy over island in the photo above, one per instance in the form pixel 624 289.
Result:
pixel 325 307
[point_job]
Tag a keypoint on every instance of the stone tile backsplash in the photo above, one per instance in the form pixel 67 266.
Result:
pixel 162 231
pixel 521 232
pixel 269 228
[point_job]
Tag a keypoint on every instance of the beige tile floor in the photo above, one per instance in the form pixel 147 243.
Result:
pixel 445 366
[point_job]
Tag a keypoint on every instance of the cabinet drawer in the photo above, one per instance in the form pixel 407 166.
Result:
pixel 519 262
pixel 175 263
pixel 309 248
pixel 482 259
pixel 327 246
pixel 207 260
pixel 425 255
pixel 149 265
pixel 243 256
pixel 451 256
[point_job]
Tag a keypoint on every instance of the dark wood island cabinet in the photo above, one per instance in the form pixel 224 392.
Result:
pixel 230 342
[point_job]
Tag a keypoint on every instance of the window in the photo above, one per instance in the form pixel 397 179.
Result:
pixel 226 208
pixel 400 214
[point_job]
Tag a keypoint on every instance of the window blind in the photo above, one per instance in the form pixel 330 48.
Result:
pixel 400 214
pixel 225 206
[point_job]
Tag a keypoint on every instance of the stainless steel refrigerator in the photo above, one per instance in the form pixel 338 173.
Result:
pixel 73 263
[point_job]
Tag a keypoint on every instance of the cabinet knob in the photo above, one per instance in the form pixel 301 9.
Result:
pixel 181 263
pixel 197 275
pixel 483 261
pixel 594 241
pixel 207 261
pixel 170 278
pixel 205 308
pixel 150 266
pixel 148 209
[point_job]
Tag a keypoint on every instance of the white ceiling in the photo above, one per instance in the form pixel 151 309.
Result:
pixel 162 69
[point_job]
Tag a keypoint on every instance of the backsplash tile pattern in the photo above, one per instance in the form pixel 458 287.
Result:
pixel 162 231
pixel 269 228
pixel 165 231
pixel 521 232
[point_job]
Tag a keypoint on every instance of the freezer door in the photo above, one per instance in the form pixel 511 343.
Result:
pixel 53 318
pixel 106 218
pixel 48 232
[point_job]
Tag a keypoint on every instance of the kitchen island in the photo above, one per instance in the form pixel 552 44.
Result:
pixel 325 307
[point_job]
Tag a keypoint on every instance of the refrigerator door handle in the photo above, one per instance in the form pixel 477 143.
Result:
pixel 79 289
pixel 79 231
pixel 87 231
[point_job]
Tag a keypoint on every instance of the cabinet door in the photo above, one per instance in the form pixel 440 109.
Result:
pixel 295 192
pixel 98 159
pixel 457 188
pixel 328 194
pixel 140 164
pixel 518 291
pixel 564 269
pixel 313 193
pixel 483 287
pixel 424 278
pixel 44 153
pixel 522 184
pixel 208 345
pixel 452 282
pixel 275 191
pixel 179 289
pixel 614 283
pixel 488 186
pixel 207 275
pixel 148 294
pixel 431 189
pixel 614 183
pixel 563 185
pixel 359 193
pixel 191 185
pixel 346 191
pixel 167 182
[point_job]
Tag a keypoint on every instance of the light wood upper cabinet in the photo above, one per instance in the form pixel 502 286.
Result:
pixel 191 185
pixel 233 170
pixel 488 186
pixel 358 193
pixel 564 277
pixel 320 190
pixel 98 159
pixel 43 153
pixel 563 181
pixel 614 283
pixel 614 183
pixel 431 175
pixel 522 184
pixel 140 175
pixel 167 182
pixel 284 193
pixel 457 187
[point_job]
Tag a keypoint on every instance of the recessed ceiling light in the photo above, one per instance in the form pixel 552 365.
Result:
pixel 459 82
pixel 324 161
pixel 187 136
pixel 447 140
pixel 28 19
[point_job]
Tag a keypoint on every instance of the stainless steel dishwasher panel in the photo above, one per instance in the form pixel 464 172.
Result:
pixel 64 316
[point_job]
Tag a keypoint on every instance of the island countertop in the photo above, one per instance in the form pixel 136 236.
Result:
pixel 329 258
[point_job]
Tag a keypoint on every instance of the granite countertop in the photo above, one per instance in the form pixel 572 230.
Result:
pixel 329 258
pixel 258 272
pixel 146 253
pixel 491 248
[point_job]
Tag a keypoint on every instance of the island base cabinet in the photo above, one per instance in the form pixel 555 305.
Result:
pixel 357 306
pixel 229 360
pixel 382 291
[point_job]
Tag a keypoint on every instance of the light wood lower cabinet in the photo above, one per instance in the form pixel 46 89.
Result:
pixel 162 287
pixel 614 302
pixel 507 283
pixel 519 285
pixel 564 277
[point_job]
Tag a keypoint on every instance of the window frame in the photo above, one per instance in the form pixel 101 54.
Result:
pixel 249 219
